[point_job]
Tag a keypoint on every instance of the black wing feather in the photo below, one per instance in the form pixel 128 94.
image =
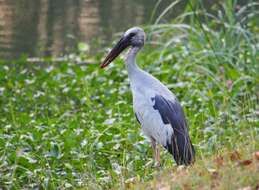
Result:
pixel 179 145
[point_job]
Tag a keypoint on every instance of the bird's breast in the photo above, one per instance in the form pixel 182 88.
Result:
pixel 150 119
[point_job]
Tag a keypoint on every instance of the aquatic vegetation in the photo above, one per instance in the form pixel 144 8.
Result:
pixel 69 125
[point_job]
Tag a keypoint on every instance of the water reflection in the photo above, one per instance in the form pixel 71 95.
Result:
pixel 44 27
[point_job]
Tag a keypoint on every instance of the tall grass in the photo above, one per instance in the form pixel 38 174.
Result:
pixel 72 126
pixel 220 49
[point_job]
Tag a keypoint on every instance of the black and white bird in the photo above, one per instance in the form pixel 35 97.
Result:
pixel 156 108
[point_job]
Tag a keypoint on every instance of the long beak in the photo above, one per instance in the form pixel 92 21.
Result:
pixel 118 48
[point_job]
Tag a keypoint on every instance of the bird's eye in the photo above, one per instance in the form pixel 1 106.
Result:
pixel 132 34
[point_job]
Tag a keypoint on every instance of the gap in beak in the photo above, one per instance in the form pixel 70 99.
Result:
pixel 121 45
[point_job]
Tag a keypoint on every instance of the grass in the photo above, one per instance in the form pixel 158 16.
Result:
pixel 70 126
pixel 229 169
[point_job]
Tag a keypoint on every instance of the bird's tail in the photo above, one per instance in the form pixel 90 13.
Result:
pixel 182 149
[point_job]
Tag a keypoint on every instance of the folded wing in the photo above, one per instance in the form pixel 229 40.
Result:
pixel 179 145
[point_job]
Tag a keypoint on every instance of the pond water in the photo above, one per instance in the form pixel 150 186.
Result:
pixel 54 27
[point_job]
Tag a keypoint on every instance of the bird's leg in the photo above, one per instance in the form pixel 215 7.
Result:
pixel 153 144
pixel 158 156
pixel 156 151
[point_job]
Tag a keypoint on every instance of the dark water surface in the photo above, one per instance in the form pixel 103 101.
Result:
pixel 54 27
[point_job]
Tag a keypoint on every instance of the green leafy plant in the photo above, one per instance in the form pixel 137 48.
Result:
pixel 70 125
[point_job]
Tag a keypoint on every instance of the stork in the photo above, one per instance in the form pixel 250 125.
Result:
pixel 156 108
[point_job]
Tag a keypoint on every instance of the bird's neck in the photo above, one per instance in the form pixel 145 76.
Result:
pixel 131 61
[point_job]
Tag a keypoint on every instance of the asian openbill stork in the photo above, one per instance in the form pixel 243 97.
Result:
pixel 156 108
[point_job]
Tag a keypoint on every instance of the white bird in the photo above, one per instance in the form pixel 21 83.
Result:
pixel 156 108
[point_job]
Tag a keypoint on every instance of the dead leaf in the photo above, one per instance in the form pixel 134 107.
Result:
pixel 256 155
pixel 234 156
pixel 245 162
pixel 219 160
pixel 214 173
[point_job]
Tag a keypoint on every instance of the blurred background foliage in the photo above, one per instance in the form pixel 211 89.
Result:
pixel 69 124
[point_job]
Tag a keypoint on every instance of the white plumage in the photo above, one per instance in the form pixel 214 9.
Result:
pixel 149 118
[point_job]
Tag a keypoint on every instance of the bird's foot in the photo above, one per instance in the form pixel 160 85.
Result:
pixel 157 165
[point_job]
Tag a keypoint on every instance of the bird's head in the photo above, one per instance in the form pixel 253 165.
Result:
pixel 134 37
